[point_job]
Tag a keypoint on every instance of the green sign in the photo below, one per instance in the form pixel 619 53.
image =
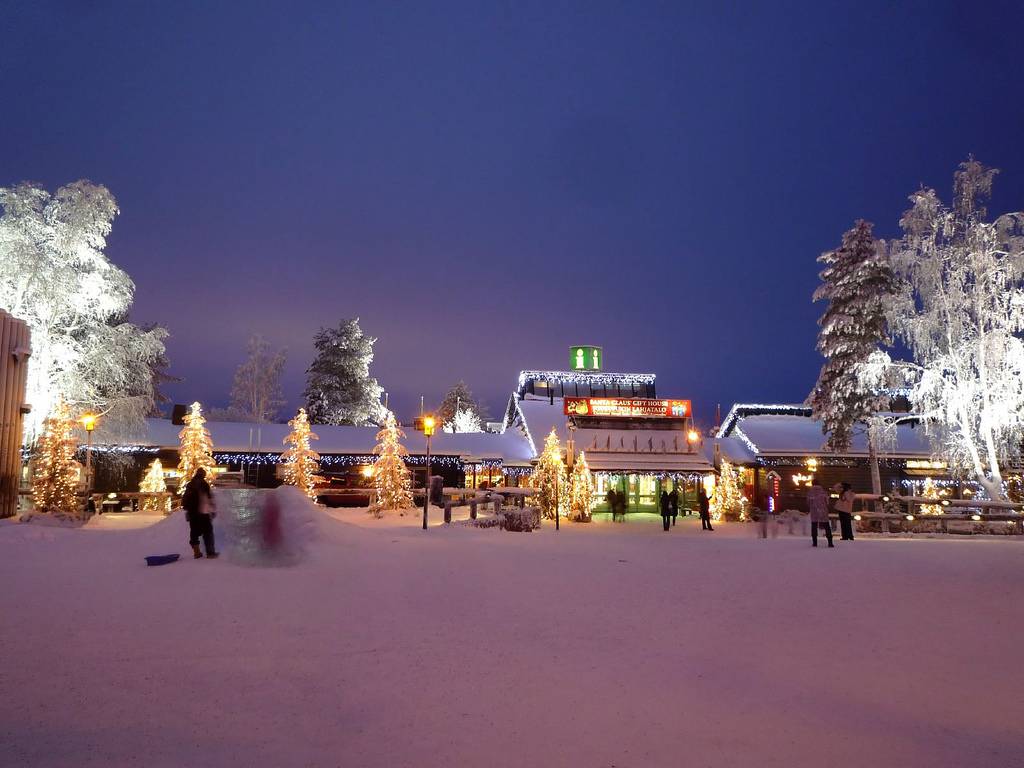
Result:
pixel 586 358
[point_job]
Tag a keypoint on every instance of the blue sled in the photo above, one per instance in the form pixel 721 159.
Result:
pixel 161 559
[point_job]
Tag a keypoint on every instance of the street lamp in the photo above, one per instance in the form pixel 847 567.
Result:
pixel 428 430
pixel 89 422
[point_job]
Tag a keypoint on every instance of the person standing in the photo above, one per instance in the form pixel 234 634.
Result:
pixel 844 508
pixel 197 501
pixel 613 502
pixel 666 510
pixel 817 500
pixel 704 504
pixel 673 503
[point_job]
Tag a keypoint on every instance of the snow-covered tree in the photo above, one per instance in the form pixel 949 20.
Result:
pixel 961 316
pixel 300 461
pixel 458 408
pixel 339 388
pixel 465 420
pixel 549 478
pixel 391 479
pixel 153 484
pixel 196 448
pixel 55 472
pixel 581 490
pixel 858 283
pixel 55 276
pixel 728 501
pixel 256 392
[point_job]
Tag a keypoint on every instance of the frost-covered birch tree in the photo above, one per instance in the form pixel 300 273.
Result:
pixel 55 276
pixel 256 393
pixel 961 316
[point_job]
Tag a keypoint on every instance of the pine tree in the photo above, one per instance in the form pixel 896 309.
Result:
pixel 55 473
pixel 390 476
pixel 196 449
pixel 728 501
pixel 458 408
pixel 549 478
pixel 300 461
pixel 153 483
pixel 581 494
pixel 859 285
pixel 339 388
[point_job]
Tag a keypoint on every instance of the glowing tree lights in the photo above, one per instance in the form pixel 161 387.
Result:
pixel 196 448
pixel 55 471
pixel 153 485
pixel 581 490
pixel 549 478
pixel 55 276
pixel 961 315
pixel 391 480
pixel 300 461
pixel 728 501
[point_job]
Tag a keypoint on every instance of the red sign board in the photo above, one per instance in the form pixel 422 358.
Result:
pixel 627 407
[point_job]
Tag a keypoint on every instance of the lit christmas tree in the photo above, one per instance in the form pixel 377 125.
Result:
pixel 196 449
pixel 300 461
pixel 581 490
pixel 728 501
pixel 549 478
pixel 153 483
pixel 390 475
pixel 55 475
pixel 931 491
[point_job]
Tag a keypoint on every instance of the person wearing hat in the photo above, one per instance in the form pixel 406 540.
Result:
pixel 844 508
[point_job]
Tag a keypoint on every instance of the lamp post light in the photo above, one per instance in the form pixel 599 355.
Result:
pixel 89 422
pixel 428 430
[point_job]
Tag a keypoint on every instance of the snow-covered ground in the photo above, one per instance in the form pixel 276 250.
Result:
pixel 599 645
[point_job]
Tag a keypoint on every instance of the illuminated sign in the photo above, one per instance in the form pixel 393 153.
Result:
pixel 586 358
pixel 627 407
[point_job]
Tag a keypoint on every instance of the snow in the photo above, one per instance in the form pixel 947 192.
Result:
pixel 786 435
pixel 602 644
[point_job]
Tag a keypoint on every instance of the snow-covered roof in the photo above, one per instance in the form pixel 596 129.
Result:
pixel 783 434
pixel 239 437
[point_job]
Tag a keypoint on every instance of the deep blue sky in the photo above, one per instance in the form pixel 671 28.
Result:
pixel 484 184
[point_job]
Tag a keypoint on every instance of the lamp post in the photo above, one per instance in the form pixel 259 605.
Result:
pixel 428 430
pixel 89 422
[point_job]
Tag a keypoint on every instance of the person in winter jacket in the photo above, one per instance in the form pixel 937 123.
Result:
pixel 197 500
pixel 666 510
pixel 705 509
pixel 844 508
pixel 817 500
pixel 673 503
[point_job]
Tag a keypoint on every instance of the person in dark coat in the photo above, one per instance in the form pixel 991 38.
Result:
pixel 197 500
pixel 620 505
pixel 673 503
pixel 704 504
pixel 613 501
pixel 666 510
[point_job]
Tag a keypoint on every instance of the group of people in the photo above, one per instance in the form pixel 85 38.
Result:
pixel 817 501
pixel 616 503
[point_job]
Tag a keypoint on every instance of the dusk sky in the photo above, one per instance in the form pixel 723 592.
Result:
pixel 484 184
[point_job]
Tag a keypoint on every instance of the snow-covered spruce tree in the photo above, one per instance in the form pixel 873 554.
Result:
pixel 256 391
pixel 55 276
pixel 391 480
pixel 458 410
pixel 196 448
pixel 549 478
pixel 300 461
pixel 961 316
pixel 728 501
pixel 339 388
pixel 54 469
pixel 153 485
pixel 858 283
pixel 581 490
